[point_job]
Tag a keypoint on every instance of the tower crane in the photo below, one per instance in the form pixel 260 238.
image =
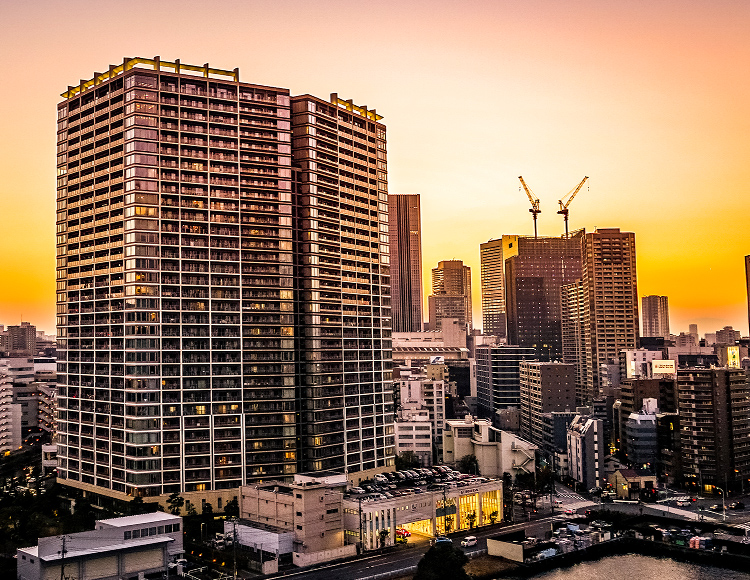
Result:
pixel 535 211
pixel 564 204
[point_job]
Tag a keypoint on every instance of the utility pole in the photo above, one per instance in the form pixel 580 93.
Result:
pixel 62 559
pixel 234 546
pixel 361 539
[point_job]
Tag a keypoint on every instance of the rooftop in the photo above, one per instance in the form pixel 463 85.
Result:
pixel 139 519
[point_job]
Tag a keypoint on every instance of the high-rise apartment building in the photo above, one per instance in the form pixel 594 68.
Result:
pixel 493 287
pixel 535 271
pixel 655 312
pixel 405 234
pixel 715 426
pixel 601 311
pixel 222 317
pixel 451 294
pixel 19 340
pixel 747 287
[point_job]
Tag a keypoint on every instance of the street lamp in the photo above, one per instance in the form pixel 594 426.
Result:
pixel 723 503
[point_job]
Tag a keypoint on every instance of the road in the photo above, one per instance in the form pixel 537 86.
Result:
pixel 409 556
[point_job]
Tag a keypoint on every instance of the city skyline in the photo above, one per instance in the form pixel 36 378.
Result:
pixel 643 100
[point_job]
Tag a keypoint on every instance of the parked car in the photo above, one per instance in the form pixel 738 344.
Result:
pixel 469 541
pixel 403 532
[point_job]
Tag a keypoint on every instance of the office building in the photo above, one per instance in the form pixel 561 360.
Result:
pixel 693 331
pixel 302 519
pixel 498 377
pixel 586 451
pixel 641 435
pixel 655 312
pixel 747 286
pixel 223 283
pixel 535 271
pixel 493 287
pixel 451 294
pixel 715 427
pixel 414 432
pixel 603 310
pixel 554 446
pixel 405 235
pixel 545 387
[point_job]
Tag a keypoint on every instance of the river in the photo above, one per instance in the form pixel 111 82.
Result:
pixel 640 568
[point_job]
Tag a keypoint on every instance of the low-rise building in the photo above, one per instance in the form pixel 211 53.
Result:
pixel 630 484
pixel 371 523
pixel 497 451
pixel 127 548
pixel 310 508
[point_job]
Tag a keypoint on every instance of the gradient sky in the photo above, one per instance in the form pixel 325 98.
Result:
pixel 647 98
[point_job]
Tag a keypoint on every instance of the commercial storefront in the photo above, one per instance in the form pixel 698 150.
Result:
pixel 372 522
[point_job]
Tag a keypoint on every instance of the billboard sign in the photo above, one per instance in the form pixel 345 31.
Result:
pixel 663 367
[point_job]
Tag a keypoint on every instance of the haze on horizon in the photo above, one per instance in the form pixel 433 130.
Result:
pixel 647 99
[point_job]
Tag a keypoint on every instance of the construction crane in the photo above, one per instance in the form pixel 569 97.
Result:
pixel 564 204
pixel 535 211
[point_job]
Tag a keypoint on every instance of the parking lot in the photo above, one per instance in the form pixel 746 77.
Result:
pixel 413 481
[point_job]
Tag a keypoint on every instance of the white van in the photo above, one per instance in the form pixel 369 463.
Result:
pixel 469 541
pixel 557 502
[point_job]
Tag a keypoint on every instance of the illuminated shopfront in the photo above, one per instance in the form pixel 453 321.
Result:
pixel 428 513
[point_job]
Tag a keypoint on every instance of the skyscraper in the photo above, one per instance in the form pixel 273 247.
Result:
pixel 451 294
pixel 493 287
pixel 601 311
pixel 206 295
pixel 405 235
pixel 534 275
pixel 715 423
pixel 747 287
pixel 655 312
pixel 343 281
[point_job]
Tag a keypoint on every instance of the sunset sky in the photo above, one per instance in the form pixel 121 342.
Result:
pixel 648 98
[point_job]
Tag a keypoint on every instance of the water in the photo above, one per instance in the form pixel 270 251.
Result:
pixel 641 568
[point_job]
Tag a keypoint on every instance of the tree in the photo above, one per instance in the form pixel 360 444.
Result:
pixel 469 464
pixel 175 503
pixel 208 508
pixel 383 537
pixel 493 517
pixel 448 524
pixel 190 511
pixel 232 507
pixel 137 506
pixel 406 460
pixel 471 517
pixel 442 562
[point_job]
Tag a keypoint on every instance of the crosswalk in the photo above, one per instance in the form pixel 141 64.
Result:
pixel 566 494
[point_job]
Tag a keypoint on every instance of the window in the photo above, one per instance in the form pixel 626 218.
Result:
pixel 128 535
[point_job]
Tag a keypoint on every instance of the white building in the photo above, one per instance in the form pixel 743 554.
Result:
pixel 414 432
pixel 497 451
pixel 586 450
pixel 427 394
pixel 118 548
pixel 10 416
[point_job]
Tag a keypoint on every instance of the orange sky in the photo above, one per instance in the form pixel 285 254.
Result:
pixel 649 99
